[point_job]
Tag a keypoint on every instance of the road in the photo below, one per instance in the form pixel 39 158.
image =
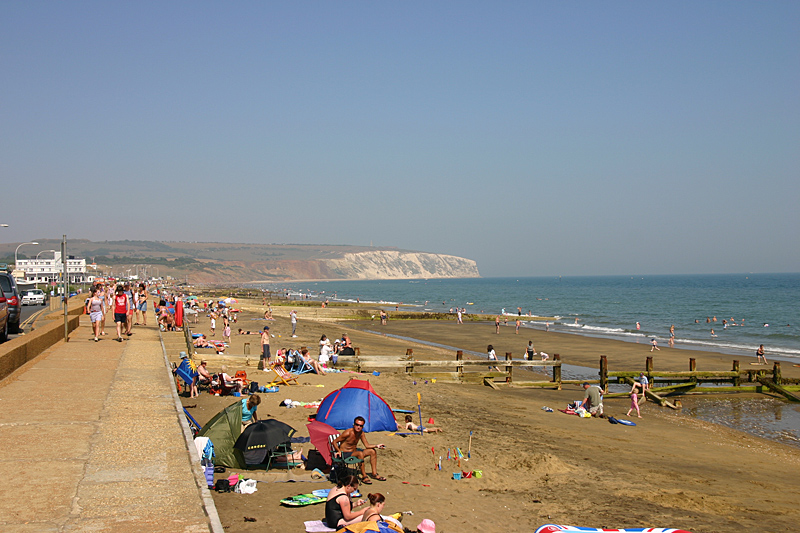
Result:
pixel 27 312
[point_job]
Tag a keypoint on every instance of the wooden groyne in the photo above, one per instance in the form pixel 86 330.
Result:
pixel 457 370
pixel 675 383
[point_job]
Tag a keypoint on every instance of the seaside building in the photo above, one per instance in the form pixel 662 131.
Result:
pixel 50 270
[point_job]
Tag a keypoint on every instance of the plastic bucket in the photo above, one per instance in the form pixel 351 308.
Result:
pixel 477 473
pixel 456 475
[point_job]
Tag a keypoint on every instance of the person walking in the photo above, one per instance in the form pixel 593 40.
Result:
pixel 293 317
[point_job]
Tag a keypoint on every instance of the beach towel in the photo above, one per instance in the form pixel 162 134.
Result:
pixel 552 528
pixel 316 526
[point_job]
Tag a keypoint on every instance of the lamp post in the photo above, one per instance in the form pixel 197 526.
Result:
pixel 43 251
pixel 17 250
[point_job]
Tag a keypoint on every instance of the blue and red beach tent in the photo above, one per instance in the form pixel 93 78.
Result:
pixel 356 398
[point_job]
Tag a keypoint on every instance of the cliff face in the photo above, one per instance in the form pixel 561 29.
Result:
pixel 386 264
pixel 209 262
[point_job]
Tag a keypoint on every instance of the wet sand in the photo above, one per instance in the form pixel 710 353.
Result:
pixel 538 467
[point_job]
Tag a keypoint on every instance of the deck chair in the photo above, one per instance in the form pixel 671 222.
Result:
pixel 342 466
pixel 282 376
pixel 283 455
pixel 300 365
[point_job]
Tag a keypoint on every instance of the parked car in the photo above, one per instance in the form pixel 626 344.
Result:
pixel 33 297
pixel 3 318
pixel 11 294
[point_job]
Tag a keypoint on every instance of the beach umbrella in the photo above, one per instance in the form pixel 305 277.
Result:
pixel 264 435
pixel 319 433
pixel 230 301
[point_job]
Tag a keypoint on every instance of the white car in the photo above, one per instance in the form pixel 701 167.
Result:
pixel 33 297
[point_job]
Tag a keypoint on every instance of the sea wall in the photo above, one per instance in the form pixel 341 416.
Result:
pixel 16 352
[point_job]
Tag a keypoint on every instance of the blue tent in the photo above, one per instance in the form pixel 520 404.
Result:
pixel 356 398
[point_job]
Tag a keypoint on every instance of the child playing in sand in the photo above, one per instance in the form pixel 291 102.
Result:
pixel 226 333
pixel 635 398
pixel 411 426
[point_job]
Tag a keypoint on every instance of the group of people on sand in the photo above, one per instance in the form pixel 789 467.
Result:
pixel 340 511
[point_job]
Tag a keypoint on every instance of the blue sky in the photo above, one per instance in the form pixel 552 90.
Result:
pixel 538 138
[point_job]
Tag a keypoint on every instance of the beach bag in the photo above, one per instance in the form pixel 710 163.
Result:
pixel 222 485
pixel 253 387
pixel 315 461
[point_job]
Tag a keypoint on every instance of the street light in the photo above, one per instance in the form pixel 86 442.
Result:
pixel 43 251
pixel 17 250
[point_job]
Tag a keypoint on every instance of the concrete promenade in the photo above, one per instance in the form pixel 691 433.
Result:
pixel 92 440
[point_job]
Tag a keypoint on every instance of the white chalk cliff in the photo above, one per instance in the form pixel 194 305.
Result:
pixel 388 264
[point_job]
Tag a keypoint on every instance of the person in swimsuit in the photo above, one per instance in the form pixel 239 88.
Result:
pixel 411 426
pixel 142 305
pixel 338 509
pixel 759 354
pixel 376 504
pixel 345 446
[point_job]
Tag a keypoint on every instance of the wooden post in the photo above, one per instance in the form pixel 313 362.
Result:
pixel 648 365
pixel 247 348
pixel 460 357
pixel 557 370
pixel 604 373
pixel 736 380
pixel 692 364
pixel 409 351
pixel 508 368
pixel 776 372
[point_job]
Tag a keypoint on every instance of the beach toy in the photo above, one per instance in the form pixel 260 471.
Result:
pixel 430 421
pixel 478 473
pixel 376 373
pixel 456 475
pixel 434 380
pixel 237 394
pixel 466 475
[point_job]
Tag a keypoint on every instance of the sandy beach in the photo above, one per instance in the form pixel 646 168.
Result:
pixel 538 467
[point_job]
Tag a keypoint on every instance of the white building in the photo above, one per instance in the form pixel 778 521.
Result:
pixel 48 270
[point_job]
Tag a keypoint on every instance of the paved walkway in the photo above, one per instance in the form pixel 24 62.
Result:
pixel 91 440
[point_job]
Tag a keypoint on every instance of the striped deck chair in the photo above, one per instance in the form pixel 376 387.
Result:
pixel 282 376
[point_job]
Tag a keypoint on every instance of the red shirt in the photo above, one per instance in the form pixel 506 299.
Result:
pixel 120 303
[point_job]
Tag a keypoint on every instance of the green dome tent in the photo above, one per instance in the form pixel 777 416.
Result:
pixel 223 430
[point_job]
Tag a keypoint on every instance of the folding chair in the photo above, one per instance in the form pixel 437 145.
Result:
pixel 342 466
pixel 282 450
pixel 282 376
pixel 300 365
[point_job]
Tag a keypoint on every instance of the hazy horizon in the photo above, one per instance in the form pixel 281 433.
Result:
pixel 536 138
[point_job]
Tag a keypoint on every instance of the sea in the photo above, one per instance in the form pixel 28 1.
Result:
pixel 743 310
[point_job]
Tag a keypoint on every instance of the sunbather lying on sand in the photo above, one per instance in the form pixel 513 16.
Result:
pixel 411 426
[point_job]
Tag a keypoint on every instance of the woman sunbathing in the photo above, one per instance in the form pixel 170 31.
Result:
pixel 312 362
pixel 411 426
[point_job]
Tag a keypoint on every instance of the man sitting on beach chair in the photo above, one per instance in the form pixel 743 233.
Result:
pixel 345 446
